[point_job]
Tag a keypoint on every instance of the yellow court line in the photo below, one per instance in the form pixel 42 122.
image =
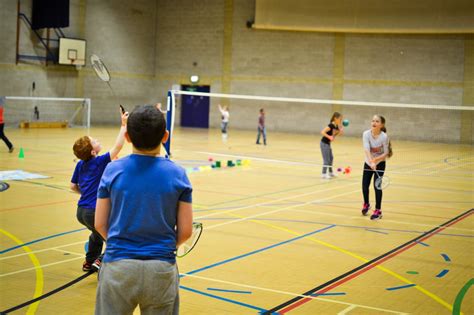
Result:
pixel 339 249
pixel 39 271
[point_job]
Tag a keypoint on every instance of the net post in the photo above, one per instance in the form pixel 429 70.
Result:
pixel 169 120
pixel 88 103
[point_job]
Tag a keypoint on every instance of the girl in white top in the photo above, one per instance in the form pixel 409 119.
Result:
pixel 377 148
pixel 225 120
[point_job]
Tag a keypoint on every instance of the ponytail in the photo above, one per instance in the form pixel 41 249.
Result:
pixel 390 151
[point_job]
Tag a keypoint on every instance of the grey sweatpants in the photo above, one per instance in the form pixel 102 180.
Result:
pixel 124 284
pixel 328 158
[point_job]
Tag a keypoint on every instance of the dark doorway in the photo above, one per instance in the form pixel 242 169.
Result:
pixel 195 109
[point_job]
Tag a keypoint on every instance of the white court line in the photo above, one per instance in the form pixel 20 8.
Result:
pixel 347 310
pixel 279 210
pixel 278 200
pixel 313 164
pixel 42 250
pixel 38 267
pixel 360 217
pixel 288 293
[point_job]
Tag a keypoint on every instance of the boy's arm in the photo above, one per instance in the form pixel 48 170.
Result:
pixel 120 138
pixel 75 188
pixel 101 220
pixel 185 222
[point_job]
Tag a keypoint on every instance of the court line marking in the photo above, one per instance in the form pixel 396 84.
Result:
pixel 375 263
pixel 378 266
pixel 385 220
pixel 39 284
pixel 286 292
pixel 399 277
pixel 39 267
pixel 42 250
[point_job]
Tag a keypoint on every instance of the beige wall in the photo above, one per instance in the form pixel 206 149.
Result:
pixel 149 45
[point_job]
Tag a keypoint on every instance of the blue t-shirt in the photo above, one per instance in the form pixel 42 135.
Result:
pixel 144 193
pixel 87 175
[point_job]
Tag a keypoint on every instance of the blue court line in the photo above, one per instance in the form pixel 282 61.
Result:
pixel 424 244
pixel 338 225
pixel 446 257
pixel 223 299
pixel 229 291
pixel 375 231
pixel 40 239
pixel 328 293
pixel 257 251
pixel 442 273
pixel 401 287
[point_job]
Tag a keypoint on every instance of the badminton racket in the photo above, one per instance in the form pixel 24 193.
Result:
pixel 188 246
pixel 381 182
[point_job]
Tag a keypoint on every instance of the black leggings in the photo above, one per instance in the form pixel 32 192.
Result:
pixel 4 138
pixel 367 177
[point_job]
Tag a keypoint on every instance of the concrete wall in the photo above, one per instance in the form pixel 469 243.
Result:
pixel 149 45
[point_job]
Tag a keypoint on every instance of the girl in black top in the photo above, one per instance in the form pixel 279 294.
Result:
pixel 329 134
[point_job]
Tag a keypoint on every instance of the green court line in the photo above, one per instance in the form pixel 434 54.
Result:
pixel 460 297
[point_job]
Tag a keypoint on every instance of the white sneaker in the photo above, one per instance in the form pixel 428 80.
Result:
pixel 325 176
pixel 332 174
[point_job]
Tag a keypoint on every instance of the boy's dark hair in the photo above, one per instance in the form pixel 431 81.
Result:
pixel 146 127
pixel 83 148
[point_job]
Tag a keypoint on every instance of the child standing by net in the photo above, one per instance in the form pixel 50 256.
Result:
pixel 225 121
pixel 329 134
pixel 261 127
pixel 85 181
pixel 377 148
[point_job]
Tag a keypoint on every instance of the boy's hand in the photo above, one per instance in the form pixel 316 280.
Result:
pixel 124 118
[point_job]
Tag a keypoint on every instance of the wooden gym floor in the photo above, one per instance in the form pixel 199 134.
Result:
pixel 276 236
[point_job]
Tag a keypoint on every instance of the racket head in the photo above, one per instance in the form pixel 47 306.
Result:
pixel 187 246
pixel 100 68
pixel 382 182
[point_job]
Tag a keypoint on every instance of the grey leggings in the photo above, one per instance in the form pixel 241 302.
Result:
pixel 328 158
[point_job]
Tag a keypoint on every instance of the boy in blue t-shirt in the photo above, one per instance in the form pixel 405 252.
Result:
pixel 85 181
pixel 144 212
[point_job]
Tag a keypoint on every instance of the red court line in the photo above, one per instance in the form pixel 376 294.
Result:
pixel 363 270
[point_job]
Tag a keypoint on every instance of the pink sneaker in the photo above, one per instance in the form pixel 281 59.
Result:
pixel 376 215
pixel 365 208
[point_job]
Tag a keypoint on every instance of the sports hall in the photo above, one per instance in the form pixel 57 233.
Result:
pixel 278 237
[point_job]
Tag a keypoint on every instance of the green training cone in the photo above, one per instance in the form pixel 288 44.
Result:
pixel 21 155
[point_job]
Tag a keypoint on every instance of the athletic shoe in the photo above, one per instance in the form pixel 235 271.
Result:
pixel 365 208
pixel 325 176
pixel 376 215
pixel 86 266
pixel 11 149
pixel 97 263
pixel 332 174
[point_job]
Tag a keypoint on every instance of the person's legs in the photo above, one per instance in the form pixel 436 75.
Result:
pixel 331 160
pixel 326 153
pixel 5 139
pixel 264 132
pixel 258 136
pixel 119 288
pixel 96 242
pixel 378 192
pixel 159 293
pixel 86 218
pixel 366 178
